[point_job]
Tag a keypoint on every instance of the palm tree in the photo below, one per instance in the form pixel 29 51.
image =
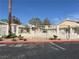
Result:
pixel 10 16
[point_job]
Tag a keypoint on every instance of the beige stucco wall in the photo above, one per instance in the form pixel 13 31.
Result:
pixel 3 29
pixel 65 24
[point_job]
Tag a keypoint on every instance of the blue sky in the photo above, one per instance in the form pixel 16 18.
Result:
pixel 55 10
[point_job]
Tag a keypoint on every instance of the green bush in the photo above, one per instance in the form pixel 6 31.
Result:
pixel 11 36
pixel 20 37
pixel 55 37
pixel 51 38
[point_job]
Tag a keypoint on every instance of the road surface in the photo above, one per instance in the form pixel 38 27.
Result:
pixel 40 51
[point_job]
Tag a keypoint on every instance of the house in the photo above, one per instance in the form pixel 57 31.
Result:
pixel 68 29
pixel 51 30
pixel 42 31
pixel 3 28
pixel 17 29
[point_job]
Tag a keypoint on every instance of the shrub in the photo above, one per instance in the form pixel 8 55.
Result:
pixel 44 31
pixel 1 39
pixel 25 39
pixel 20 37
pixel 4 36
pixel 55 37
pixel 28 29
pixel 11 36
pixel 59 39
pixel 14 39
pixel 51 38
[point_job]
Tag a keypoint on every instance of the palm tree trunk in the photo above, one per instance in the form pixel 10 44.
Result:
pixel 10 16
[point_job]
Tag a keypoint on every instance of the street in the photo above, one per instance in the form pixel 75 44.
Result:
pixel 40 51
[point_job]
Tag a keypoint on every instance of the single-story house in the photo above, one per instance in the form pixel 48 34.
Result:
pixel 46 31
pixel 68 29
pixel 3 28
pixel 17 29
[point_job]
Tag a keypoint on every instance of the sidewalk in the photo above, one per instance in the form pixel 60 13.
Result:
pixel 34 41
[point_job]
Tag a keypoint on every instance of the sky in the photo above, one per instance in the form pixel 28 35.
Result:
pixel 55 10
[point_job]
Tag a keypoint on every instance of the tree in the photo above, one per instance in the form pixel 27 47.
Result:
pixel 27 28
pixel 10 16
pixel 4 20
pixel 16 20
pixel 35 21
pixel 46 21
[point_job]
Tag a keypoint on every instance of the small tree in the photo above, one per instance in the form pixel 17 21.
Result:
pixel 35 21
pixel 46 21
pixel 16 20
pixel 27 28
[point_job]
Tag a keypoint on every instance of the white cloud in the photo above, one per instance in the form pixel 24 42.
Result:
pixel 76 16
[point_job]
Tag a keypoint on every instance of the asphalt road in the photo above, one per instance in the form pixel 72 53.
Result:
pixel 41 51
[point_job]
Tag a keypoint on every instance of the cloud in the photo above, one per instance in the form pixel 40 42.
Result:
pixel 74 16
